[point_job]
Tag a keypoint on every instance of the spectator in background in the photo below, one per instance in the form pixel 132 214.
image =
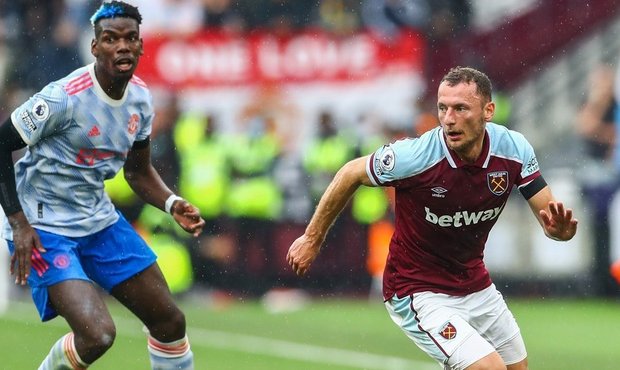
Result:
pixel 340 17
pixel 387 17
pixel 280 17
pixel 594 125
pixel 47 58
pixel 222 15
pixel 255 200
pixel 163 151
pixel 6 18
pixel 326 152
pixel 448 17
pixel 170 17
pixel 205 169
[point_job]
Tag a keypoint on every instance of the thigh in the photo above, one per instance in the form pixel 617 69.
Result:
pixel 80 303
pixel 147 296
pixel 438 329
pixel 60 262
pixel 521 365
pixel 115 254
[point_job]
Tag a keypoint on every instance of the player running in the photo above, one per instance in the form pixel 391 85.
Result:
pixel 451 185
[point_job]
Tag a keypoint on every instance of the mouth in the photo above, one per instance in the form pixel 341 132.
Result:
pixel 454 135
pixel 124 64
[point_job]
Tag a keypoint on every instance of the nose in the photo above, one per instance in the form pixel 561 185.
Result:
pixel 449 117
pixel 123 45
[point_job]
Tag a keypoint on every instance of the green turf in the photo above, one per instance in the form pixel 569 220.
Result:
pixel 326 334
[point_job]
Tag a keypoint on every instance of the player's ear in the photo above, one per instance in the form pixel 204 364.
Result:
pixel 489 111
pixel 93 48
pixel 141 47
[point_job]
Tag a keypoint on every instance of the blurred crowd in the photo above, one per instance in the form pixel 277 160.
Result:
pixel 42 41
pixel 254 196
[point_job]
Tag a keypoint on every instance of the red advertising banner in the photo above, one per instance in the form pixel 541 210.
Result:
pixel 213 59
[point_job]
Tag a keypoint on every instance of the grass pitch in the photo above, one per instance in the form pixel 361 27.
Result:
pixel 325 334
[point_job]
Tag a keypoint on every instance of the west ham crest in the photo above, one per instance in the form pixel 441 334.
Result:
pixel 498 182
pixel 448 331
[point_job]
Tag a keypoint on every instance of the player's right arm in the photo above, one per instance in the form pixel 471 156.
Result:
pixel 24 236
pixel 304 249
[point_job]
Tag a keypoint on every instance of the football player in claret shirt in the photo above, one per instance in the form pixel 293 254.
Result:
pixel 451 185
pixel 62 229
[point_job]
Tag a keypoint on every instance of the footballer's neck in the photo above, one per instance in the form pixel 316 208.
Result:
pixel 114 87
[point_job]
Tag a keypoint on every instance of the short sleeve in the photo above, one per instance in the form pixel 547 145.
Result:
pixel 530 168
pixel 148 115
pixel 402 158
pixel 43 114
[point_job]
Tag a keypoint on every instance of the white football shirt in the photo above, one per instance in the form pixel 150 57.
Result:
pixel 77 137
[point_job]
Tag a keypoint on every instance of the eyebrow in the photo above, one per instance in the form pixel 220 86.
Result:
pixel 114 31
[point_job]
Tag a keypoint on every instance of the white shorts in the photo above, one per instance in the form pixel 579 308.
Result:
pixel 458 331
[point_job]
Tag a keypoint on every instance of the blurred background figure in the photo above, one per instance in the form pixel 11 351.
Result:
pixel 339 17
pixel 205 178
pixel 326 152
pixel 599 180
pixel 388 17
pixel 170 17
pixel 221 14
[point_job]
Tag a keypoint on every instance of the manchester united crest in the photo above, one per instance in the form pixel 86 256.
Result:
pixel 448 331
pixel 498 182
pixel 132 125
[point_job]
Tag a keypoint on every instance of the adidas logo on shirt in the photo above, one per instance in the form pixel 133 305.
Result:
pixel 94 132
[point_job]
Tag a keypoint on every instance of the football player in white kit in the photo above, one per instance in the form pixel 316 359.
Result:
pixel 451 185
pixel 62 229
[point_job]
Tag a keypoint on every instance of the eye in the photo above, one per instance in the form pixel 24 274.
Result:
pixel 441 108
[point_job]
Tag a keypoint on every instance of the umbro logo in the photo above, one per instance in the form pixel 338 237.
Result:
pixel 438 192
pixel 94 132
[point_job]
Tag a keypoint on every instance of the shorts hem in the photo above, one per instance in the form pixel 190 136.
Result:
pixel 112 286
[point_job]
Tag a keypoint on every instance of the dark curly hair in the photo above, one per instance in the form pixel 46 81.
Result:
pixel 114 9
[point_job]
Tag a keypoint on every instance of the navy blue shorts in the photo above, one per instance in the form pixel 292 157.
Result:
pixel 107 257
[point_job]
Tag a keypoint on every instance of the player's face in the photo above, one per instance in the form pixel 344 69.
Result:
pixel 463 115
pixel 118 47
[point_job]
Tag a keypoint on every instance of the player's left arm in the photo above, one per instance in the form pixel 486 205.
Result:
pixel 557 221
pixel 146 182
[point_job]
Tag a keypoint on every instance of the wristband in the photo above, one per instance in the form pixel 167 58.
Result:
pixel 170 201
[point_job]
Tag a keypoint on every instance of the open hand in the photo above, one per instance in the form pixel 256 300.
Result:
pixel 558 222
pixel 25 240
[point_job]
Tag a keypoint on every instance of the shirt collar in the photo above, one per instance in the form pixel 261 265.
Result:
pixel 456 162
pixel 101 93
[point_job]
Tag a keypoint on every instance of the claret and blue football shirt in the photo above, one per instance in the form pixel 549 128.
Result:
pixel 445 208
pixel 77 136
